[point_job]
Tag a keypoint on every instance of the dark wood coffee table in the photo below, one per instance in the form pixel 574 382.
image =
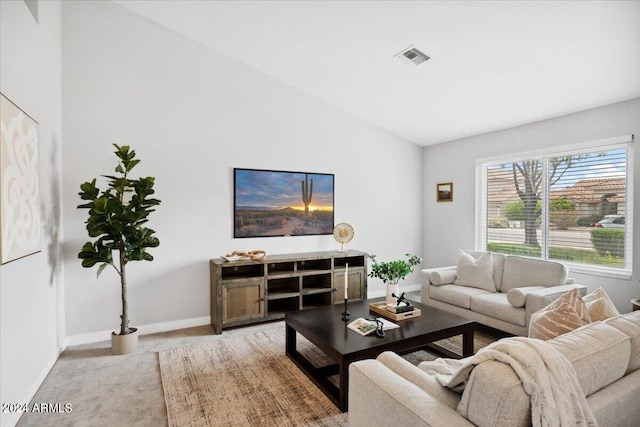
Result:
pixel 325 329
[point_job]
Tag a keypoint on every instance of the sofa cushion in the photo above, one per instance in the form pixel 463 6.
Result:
pixel 598 352
pixel 497 306
pixel 475 272
pixel 442 277
pixel 413 374
pixel 630 325
pixel 617 404
pixel 521 271
pixel 378 396
pixel 599 303
pixel 494 396
pixel 553 322
pixel 454 294
pixel 517 297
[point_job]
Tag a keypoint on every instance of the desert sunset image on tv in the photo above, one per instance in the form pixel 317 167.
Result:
pixel 279 203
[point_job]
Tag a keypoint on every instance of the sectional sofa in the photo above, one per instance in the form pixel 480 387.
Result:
pixel 605 356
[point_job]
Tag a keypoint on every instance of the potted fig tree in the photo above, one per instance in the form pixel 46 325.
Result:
pixel 116 222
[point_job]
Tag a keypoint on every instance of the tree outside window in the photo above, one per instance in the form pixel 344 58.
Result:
pixel 552 207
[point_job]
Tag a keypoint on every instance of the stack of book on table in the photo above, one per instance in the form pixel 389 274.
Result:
pixel 397 309
pixel 368 326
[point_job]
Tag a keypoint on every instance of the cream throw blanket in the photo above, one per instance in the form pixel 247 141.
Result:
pixel 547 377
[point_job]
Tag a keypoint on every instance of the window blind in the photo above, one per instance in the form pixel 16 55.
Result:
pixel 573 205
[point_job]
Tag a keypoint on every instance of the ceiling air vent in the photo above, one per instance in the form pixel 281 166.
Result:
pixel 413 56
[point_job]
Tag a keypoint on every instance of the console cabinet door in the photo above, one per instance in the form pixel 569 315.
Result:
pixel 242 301
pixel 356 280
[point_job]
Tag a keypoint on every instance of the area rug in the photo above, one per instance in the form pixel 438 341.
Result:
pixel 248 380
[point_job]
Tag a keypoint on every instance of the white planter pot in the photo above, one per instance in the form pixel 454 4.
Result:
pixel 392 288
pixel 124 344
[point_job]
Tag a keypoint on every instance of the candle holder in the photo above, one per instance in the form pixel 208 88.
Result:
pixel 345 313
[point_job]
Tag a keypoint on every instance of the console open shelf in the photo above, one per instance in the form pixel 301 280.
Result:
pixel 246 292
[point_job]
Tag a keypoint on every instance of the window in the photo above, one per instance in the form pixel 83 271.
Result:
pixel 572 205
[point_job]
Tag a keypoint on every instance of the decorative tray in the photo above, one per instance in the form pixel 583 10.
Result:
pixel 379 308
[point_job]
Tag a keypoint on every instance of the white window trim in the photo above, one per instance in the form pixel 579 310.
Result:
pixel 625 141
pixel 615 142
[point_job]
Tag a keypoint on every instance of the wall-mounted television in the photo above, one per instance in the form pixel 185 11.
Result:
pixel 269 203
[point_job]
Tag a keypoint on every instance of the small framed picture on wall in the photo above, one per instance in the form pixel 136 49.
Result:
pixel 444 192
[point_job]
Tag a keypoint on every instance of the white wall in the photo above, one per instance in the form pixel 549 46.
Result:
pixel 193 115
pixel 31 289
pixel 448 227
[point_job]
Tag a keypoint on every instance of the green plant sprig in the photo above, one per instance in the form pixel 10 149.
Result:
pixel 392 271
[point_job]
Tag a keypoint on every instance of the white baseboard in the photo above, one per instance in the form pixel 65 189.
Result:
pixel 93 337
pixel 105 335
pixel 176 324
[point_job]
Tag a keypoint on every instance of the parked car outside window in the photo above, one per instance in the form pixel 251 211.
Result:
pixel 611 221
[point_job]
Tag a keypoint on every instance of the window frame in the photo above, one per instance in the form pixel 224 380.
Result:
pixel 607 144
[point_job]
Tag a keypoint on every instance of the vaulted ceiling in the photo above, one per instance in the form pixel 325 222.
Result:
pixel 494 64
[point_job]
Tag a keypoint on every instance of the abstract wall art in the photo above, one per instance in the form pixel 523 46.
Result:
pixel 20 225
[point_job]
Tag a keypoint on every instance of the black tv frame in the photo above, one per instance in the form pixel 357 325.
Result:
pixel 321 226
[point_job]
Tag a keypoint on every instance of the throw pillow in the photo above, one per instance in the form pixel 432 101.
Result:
pixel 518 296
pixel 603 308
pixel 548 324
pixel 574 300
pixel 475 273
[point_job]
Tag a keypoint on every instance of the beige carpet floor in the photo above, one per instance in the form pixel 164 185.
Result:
pixel 248 381
pixel 107 390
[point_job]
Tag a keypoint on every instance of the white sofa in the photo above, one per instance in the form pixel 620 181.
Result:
pixel 516 288
pixel 605 356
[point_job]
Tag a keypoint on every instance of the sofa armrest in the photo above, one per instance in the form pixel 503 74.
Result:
pixel 539 299
pixel 380 397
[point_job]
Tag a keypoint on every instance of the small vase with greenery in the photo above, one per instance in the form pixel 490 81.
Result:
pixel 116 221
pixel 391 272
